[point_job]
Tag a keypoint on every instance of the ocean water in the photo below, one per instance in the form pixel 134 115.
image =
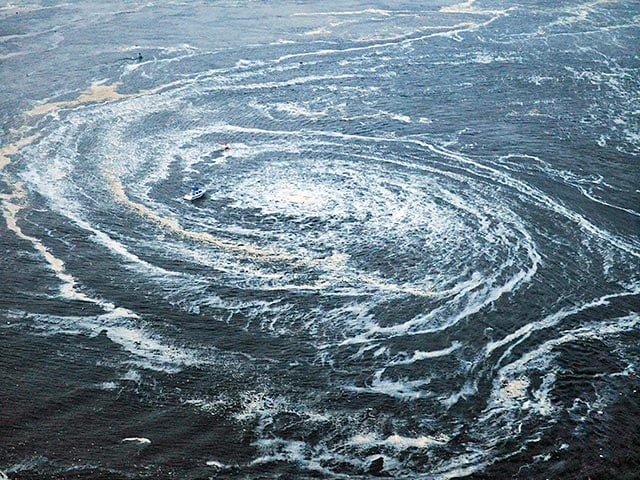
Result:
pixel 418 258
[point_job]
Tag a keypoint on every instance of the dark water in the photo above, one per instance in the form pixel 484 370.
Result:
pixel 422 245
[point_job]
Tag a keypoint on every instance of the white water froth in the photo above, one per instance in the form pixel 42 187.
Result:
pixel 511 386
pixel 401 389
pixel 524 332
pixel 359 197
pixel 138 440
pixel 397 442
pixel 472 249
pixel 145 348
pixel 419 356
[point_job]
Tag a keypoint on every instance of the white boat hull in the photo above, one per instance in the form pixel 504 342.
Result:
pixel 194 195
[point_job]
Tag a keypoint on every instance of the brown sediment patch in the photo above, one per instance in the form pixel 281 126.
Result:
pixel 95 93
pixel 10 208
pixel 13 148
pixel 337 260
pixel 121 197
pixel 12 203
pixel 101 93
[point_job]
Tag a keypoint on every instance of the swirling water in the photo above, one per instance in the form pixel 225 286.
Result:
pixel 421 246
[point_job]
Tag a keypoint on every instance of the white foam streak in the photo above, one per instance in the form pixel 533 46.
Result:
pixel 574 180
pixel 287 450
pixel 139 440
pixel 467 303
pixel 285 83
pixel 298 111
pixel 469 388
pixel 544 200
pixel 402 389
pixel 452 31
pixel 123 327
pixel 396 442
pixel 374 11
pixel 68 287
pixel 463 466
pixel 515 338
pixel 419 356
pixel 463 7
pixel 141 344
pixel 593 198
pixel 510 387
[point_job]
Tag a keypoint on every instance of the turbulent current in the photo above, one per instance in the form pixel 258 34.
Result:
pixel 418 257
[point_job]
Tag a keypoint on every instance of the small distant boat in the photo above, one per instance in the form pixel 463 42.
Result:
pixel 195 193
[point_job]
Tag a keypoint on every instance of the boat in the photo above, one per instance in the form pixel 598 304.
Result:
pixel 195 193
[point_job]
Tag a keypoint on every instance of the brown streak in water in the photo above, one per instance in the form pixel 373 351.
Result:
pixel 12 203
pixel 95 93
pixel 13 148
pixel 100 93
pixel 121 197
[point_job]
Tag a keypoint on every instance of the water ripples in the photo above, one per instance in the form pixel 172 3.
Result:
pixel 406 268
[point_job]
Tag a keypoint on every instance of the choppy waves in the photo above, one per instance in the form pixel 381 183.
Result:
pixel 419 287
